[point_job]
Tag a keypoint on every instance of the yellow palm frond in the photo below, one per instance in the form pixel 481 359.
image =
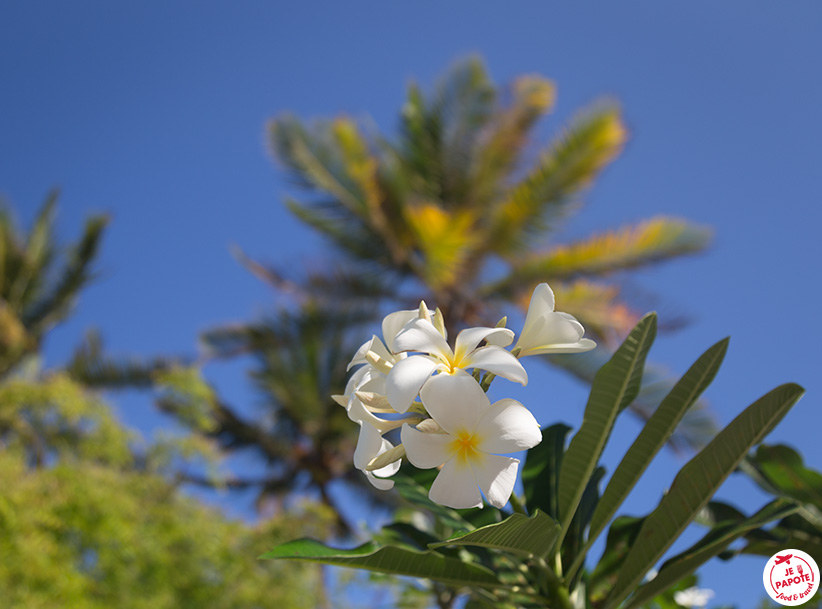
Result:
pixel 628 247
pixel 445 240
pixel 566 168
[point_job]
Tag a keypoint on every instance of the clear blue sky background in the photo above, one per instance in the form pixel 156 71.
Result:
pixel 154 112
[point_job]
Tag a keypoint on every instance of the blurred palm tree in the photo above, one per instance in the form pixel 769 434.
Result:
pixel 39 281
pixel 458 209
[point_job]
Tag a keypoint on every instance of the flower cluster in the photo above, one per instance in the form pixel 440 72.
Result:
pixel 453 426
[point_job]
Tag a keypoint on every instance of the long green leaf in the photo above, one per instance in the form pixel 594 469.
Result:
pixel 615 386
pixel 655 433
pixel 784 469
pixel 518 534
pixel 389 559
pixel 621 536
pixel 696 483
pixel 706 548
pixel 574 546
pixel 540 474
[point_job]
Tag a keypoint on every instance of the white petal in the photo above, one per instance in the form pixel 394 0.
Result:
pixel 584 344
pixel 359 356
pixel 373 381
pixel 421 335
pixel 507 427
pixel 468 339
pixel 369 444
pixel 376 477
pixel 426 450
pixel 375 345
pixel 542 302
pixel 356 380
pixel 496 477
pixel 455 486
pixel 406 379
pixel 553 332
pixel 358 413
pixel 499 361
pixel 379 483
pixel 393 324
pixel 455 401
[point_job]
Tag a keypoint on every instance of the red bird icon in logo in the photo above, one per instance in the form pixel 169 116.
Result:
pixel 781 559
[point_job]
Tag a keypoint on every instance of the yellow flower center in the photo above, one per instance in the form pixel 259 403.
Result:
pixel 465 445
pixel 453 361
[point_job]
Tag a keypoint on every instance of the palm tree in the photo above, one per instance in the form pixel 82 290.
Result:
pixel 456 209
pixel 38 282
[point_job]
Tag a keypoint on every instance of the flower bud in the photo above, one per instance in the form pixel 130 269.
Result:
pixel 381 364
pixel 386 458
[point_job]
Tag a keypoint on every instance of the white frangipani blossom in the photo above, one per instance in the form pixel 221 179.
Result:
pixel 408 376
pixel 693 598
pixel 370 445
pixel 549 331
pixel 474 433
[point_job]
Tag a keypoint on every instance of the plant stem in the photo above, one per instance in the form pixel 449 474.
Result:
pixel 557 592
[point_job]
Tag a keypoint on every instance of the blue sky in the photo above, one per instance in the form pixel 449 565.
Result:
pixel 154 113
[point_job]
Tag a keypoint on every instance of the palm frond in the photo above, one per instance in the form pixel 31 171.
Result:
pixel 648 242
pixel 54 305
pixel 445 240
pixel 318 161
pixel 503 140
pixel 92 367
pixel 567 167
pixel 440 134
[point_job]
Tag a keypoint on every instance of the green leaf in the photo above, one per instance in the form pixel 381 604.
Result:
pixel 696 483
pixel 785 471
pixel 655 433
pixel 574 546
pixel 615 386
pixel 518 534
pixel 719 538
pixel 793 531
pixel 621 536
pixel 389 559
pixel 540 474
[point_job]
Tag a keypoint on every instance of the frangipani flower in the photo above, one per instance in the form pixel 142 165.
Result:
pixel 693 598
pixel 408 376
pixel 549 331
pixel 474 433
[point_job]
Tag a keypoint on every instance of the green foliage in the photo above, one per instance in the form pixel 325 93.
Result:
pixel 696 483
pixel 90 527
pixel 615 386
pixel 652 437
